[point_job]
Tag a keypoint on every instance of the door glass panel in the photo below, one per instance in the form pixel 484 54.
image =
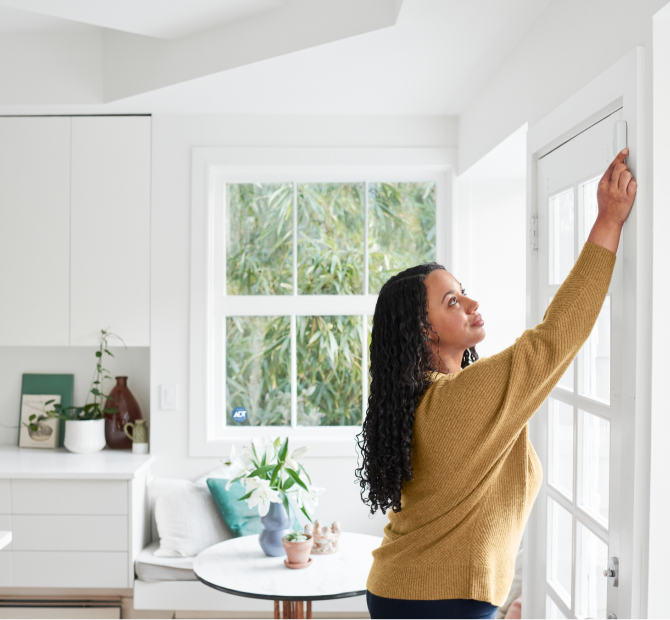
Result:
pixel 589 193
pixel 594 466
pixel 590 583
pixel 594 374
pixel 553 612
pixel 567 381
pixel 559 549
pixel 561 235
pixel 561 433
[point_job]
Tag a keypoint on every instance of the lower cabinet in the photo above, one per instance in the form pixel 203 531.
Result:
pixel 72 533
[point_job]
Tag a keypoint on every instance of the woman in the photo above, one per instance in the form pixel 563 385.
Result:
pixel 445 439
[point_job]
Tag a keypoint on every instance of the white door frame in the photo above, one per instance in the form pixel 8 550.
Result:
pixel 621 84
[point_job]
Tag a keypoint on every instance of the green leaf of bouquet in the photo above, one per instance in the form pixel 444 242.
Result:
pixel 295 477
pixel 284 500
pixel 284 450
pixel 302 469
pixel 306 514
pixel 289 483
pixel 274 473
pixel 246 495
pixel 261 471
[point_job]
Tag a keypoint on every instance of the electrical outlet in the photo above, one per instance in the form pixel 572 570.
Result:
pixel 168 396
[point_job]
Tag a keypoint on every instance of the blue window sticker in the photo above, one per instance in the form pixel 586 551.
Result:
pixel 239 414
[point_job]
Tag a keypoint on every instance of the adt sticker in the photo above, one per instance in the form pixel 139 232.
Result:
pixel 239 414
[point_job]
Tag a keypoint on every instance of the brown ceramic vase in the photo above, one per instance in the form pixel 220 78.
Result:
pixel 129 411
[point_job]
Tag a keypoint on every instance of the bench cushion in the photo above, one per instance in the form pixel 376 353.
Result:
pixel 150 567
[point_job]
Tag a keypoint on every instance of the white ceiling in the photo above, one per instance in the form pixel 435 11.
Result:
pixel 164 19
pixel 432 61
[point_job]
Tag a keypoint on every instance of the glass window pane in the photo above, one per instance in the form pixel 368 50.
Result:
pixel 259 241
pixel 589 206
pixel 330 375
pixel 561 433
pixel 331 225
pixel 590 582
pixel 561 236
pixel 567 381
pixel 553 611
pixel 258 376
pixel 401 229
pixel 559 549
pixel 594 466
pixel 594 362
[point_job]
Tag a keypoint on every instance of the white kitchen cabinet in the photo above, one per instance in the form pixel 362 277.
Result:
pixel 74 229
pixel 111 184
pixel 77 520
pixel 35 230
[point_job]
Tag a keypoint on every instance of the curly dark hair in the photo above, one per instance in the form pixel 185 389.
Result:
pixel 400 371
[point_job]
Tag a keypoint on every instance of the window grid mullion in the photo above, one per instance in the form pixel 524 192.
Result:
pixel 294 356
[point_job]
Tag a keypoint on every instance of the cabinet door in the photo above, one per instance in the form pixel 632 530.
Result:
pixel 110 228
pixel 35 230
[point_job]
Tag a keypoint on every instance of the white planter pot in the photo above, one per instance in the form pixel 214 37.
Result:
pixel 84 436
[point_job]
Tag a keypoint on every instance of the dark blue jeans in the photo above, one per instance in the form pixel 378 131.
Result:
pixel 381 607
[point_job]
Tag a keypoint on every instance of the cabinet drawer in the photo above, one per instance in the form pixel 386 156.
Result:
pixel 69 569
pixel 69 497
pixel 69 533
pixel 5 497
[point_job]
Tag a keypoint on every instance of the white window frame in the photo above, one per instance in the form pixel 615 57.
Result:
pixel 212 168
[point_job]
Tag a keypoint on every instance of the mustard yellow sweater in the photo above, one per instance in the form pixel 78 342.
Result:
pixel 476 474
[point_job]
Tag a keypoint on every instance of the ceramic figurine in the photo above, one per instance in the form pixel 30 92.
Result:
pixel 325 538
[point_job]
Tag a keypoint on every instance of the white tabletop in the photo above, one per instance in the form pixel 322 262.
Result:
pixel 239 566
pixel 5 539
pixel 18 462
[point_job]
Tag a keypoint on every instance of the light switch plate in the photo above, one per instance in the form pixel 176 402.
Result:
pixel 168 396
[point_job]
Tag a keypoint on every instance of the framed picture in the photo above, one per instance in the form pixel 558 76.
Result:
pixel 46 434
pixel 41 384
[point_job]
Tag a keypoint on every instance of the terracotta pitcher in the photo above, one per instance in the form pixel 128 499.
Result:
pixel 129 411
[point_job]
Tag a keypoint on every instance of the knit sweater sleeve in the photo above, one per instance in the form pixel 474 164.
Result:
pixel 487 404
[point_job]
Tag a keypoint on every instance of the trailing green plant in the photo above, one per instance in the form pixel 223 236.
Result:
pixel 89 411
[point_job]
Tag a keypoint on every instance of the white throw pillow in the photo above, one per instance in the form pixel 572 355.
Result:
pixel 187 518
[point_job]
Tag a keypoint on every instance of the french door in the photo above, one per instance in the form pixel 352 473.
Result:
pixel 578 430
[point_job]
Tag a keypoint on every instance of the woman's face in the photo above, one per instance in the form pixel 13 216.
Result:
pixel 452 314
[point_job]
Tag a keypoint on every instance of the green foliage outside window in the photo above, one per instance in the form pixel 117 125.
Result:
pixel 331 238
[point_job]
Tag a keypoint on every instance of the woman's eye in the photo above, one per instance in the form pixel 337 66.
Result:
pixel 452 299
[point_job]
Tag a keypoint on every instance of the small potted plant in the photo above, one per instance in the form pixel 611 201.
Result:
pixel 298 546
pixel 85 426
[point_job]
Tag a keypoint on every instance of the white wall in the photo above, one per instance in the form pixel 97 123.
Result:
pixel 173 138
pixel 568 45
pixel 491 255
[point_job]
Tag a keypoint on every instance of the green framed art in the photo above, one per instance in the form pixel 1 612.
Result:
pixel 48 384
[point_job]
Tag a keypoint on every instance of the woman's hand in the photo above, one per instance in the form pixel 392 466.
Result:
pixel 616 193
pixel 616 190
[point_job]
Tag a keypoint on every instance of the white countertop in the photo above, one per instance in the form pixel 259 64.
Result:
pixel 109 464
pixel 240 566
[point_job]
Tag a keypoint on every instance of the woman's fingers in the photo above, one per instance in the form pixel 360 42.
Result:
pixel 617 160
pixel 619 169
pixel 624 179
pixel 632 188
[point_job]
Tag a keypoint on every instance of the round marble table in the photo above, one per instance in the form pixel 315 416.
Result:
pixel 239 566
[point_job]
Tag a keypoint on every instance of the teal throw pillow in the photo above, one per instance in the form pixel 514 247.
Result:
pixel 240 519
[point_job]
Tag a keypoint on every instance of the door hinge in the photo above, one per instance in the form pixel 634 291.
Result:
pixel 533 232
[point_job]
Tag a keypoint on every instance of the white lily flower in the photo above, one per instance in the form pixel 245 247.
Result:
pixel 295 457
pixel 237 465
pixel 264 445
pixel 308 499
pixel 263 495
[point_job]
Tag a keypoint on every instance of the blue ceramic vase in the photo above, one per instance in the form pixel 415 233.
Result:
pixel 276 523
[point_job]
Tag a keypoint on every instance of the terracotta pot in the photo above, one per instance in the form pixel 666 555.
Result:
pixel 129 411
pixel 298 552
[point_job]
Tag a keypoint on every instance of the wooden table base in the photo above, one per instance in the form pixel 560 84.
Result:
pixel 293 609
